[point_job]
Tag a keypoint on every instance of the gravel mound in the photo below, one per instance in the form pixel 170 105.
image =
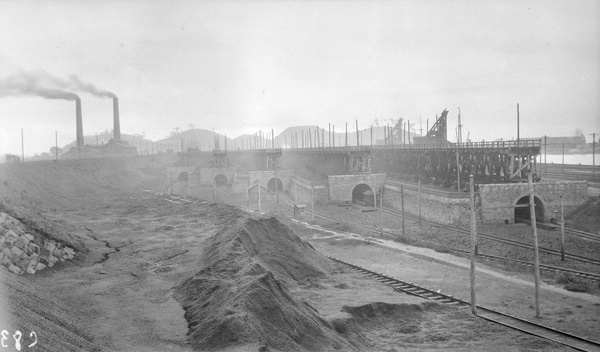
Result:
pixel 241 296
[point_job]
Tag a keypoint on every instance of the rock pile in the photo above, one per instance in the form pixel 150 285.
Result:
pixel 240 295
pixel 23 250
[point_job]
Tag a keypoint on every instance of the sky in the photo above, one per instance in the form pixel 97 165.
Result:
pixel 242 66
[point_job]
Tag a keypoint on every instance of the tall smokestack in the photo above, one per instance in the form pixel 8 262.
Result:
pixel 116 123
pixel 79 123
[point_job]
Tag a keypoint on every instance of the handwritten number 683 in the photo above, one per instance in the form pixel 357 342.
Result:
pixel 17 337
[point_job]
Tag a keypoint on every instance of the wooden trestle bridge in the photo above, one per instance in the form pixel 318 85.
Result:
pixel 440 164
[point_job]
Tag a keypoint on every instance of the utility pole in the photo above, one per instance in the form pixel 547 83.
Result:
pixel 419 193
pixel 473 243
pixel 402 203
pixel 562 225
pixel 518 127
pixel 593 156
pixel 381 210
pixel 457 173
pixel 536 258
pixel 459 135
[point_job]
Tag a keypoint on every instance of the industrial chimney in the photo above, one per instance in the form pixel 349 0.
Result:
pixel 79 123
pixel 116 123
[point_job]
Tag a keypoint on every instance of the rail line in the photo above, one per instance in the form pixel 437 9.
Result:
pixel 513 322
pixel 497 239
pixel 577 342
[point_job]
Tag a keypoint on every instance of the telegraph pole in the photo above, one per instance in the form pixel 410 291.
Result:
pixel 536 258
pixel 473 244
pixel 593 155
pixel 518 127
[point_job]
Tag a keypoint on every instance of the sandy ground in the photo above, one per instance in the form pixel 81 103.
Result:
pixel 143 246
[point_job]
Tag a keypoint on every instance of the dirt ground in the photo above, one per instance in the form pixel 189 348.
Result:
pixel 141 246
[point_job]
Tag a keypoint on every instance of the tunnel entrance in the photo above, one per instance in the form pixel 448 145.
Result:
pixel 271 185
pixel 363 194
pixel 183 176
pixel 523 213
pixel 220 180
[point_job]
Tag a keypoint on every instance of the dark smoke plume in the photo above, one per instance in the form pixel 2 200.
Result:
pixel 32 85
pixel 41 83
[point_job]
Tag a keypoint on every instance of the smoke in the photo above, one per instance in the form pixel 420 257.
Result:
pixel 41 83
pixel 27 84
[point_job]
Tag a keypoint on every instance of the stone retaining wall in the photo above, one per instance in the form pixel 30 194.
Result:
pixel 26 251
pixel 453 211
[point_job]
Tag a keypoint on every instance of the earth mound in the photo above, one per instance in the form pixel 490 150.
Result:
pixel 241 296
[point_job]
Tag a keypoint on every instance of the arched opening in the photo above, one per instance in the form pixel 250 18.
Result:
pixel 183 176
pixel 220 180
pixel 522 209
pixel 272 182
pixel 363 194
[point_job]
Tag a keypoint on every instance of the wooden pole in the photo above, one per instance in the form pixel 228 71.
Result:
pixel 357 137
pixel 536 258
pixel 381 210
pixel 419 193
pixel 346 134
pixel 402 202
pixel 562 226
pixel 457 173
pixel 473 244
pixel 518 127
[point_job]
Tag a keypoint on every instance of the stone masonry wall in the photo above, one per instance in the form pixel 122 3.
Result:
pixel 498 200
pixel 436 208
pixel 341 186
pixel 26 251
pixel 302 190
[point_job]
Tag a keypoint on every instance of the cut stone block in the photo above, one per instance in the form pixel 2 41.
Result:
pixel 40 266
pixel 2 239
pixel 53 259
pixel 24 239
pixel 10 234
pixel 31 266
pixel 16 250
pixel 58 253
pixel 6 261
pixel 18 230
pixel 51 246
pixel 6 251
pixel 29 236
pixel 15 269
pixel 34 248
pixel 45 253
pixel 69 250
pixel 70 256
pixel 43 260
pixel 20 243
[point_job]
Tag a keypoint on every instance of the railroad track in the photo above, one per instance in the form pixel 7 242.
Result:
pixel 513 322
pixel 498 239
pixel 583 234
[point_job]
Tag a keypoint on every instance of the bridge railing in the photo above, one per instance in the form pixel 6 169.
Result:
pixel 524 143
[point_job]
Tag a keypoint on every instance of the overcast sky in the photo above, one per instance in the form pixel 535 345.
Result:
pixel 241 66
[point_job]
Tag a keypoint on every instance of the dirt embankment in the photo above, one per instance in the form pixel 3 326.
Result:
pixel 35 192
pixel 241 294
